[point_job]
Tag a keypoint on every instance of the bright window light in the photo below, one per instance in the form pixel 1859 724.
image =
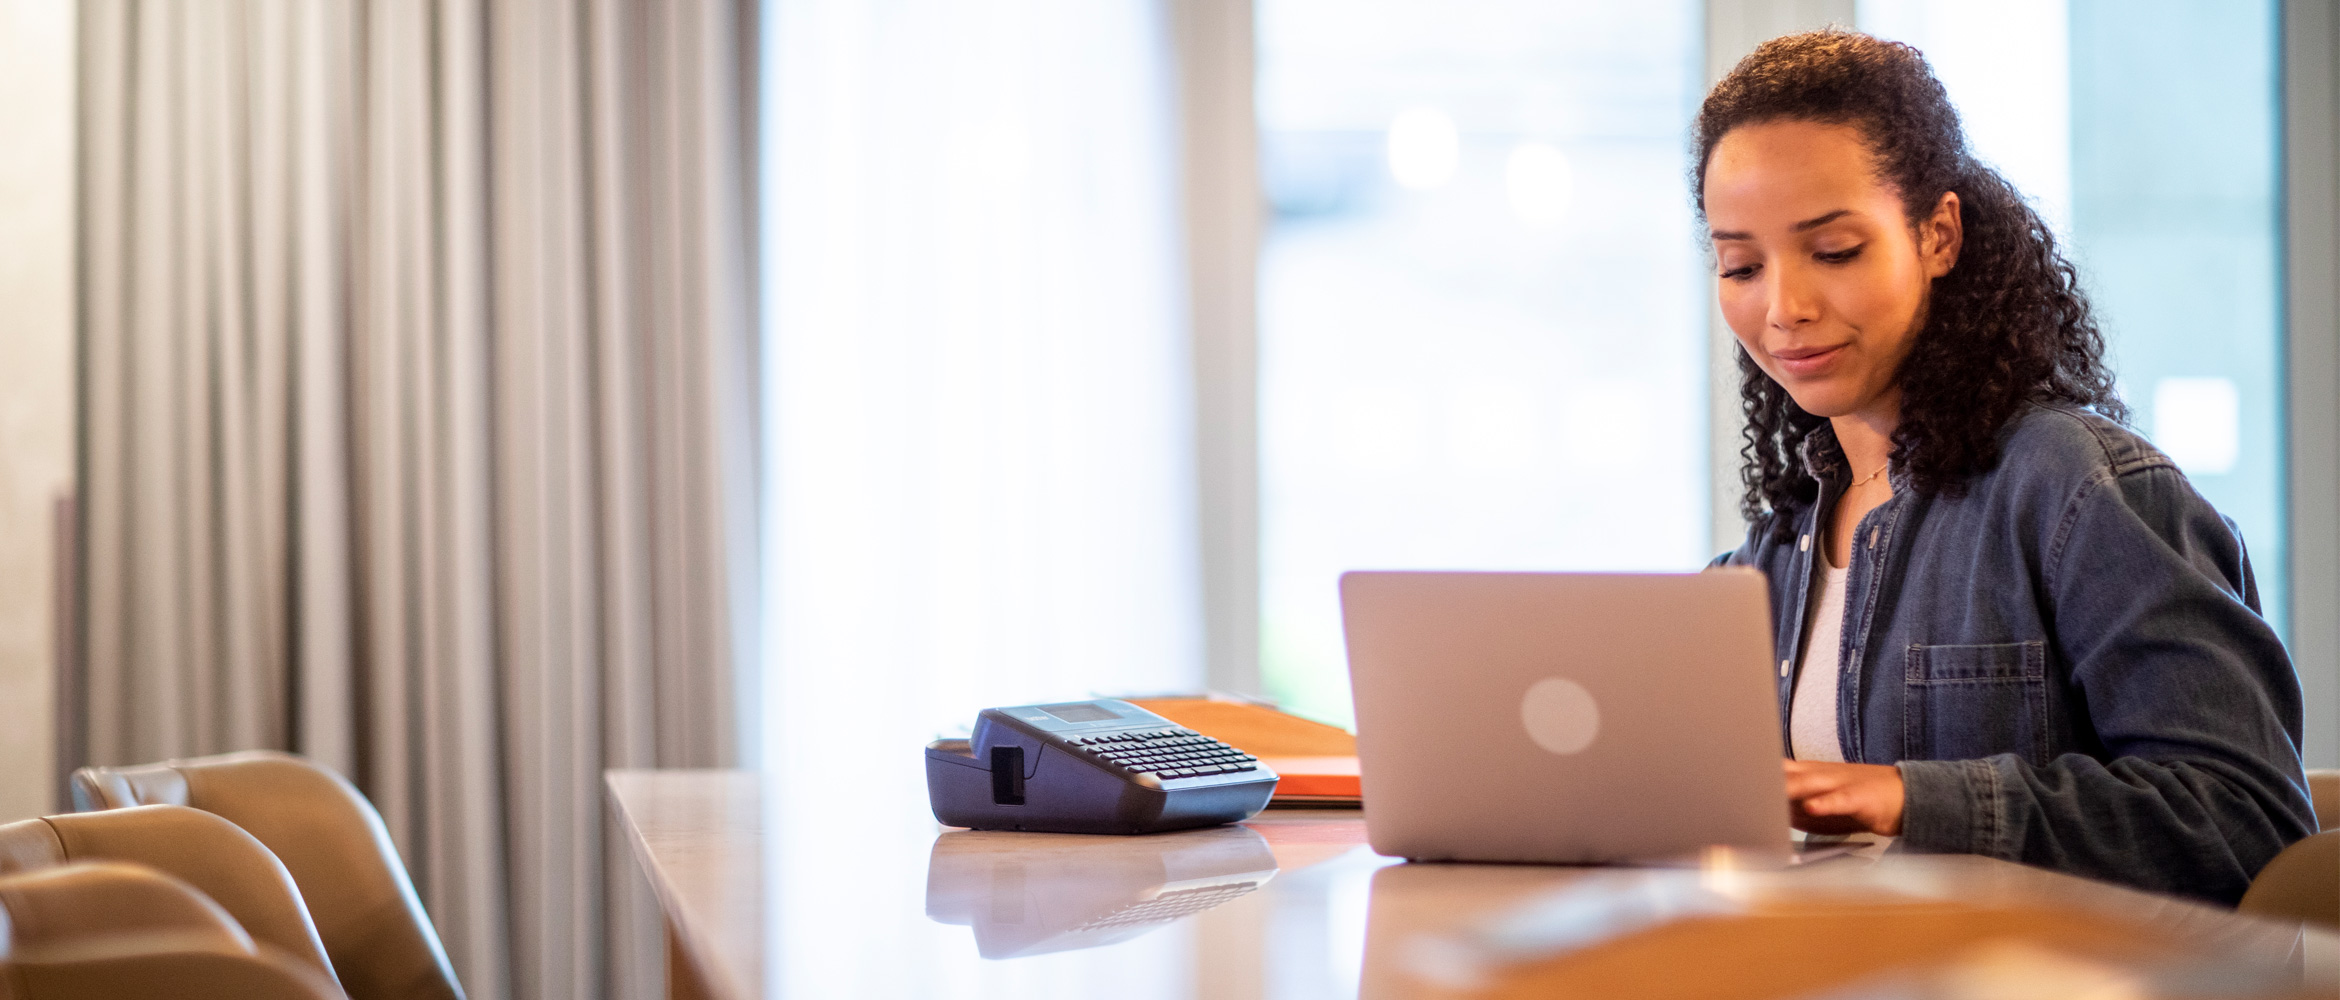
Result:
pixel 1539 181
pixel 1422 148
pixel 1496 427
pixel 2197 422
pixel 1468 358
pixel 980 453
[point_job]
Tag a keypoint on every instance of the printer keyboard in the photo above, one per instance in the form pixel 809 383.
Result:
pixel 1166 753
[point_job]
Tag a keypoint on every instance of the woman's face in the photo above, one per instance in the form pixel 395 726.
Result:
pixel 1818 270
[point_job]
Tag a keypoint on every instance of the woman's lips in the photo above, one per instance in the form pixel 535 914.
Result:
pixel 1805 362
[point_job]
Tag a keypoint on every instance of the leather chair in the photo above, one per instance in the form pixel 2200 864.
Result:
pixel 214 856
pixel 381 941
pixel 108 930
pixel 2302 883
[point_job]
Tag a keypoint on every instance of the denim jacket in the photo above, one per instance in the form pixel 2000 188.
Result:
pixel 2066 661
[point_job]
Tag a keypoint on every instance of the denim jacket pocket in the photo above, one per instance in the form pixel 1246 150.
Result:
pixel 1970 702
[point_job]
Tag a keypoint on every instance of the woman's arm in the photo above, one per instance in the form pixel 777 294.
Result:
pixel 2187 688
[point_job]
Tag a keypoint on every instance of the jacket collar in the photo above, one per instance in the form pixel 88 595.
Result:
pixel 1822 456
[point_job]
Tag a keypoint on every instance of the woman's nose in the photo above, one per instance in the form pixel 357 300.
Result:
pixel 1793 302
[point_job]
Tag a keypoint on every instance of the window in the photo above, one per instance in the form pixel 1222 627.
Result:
pixel 1482 302
pixel 2147 135
pixel 978 439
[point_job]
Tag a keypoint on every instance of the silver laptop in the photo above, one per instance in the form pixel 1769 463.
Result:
pixel 1565 717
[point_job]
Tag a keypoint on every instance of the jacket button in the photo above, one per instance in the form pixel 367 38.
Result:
pixel 1783 668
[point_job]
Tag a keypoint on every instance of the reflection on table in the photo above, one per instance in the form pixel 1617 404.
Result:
pixel 793 902
pixel 1033 893
pixel 1874 924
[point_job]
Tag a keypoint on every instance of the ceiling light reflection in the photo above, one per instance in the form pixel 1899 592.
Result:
pixel 1423 148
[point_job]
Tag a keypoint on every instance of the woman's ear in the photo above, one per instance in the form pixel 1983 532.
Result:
pixel 1941 235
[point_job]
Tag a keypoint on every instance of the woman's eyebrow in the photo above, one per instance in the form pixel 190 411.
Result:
pixel 1817 221
pixel 1807 225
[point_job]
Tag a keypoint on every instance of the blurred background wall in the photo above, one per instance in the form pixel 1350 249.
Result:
pixel 36 382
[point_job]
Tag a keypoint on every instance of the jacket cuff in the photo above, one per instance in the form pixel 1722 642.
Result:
pixel 1950 806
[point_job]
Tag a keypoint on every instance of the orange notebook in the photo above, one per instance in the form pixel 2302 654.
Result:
pixel 1316 762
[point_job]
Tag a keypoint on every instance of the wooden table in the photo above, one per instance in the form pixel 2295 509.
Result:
pixel 774 895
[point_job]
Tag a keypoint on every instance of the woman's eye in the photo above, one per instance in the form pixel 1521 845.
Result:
pixel 1740 273
pixel 1837 256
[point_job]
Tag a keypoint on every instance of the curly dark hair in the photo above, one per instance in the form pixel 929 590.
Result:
pixel 2007 326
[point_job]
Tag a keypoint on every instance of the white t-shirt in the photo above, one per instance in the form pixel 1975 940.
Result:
pixel 1812 713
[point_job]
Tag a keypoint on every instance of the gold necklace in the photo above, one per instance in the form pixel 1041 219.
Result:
pixel 1871 477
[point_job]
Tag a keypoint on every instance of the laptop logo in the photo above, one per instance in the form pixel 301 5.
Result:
pixel 1560 715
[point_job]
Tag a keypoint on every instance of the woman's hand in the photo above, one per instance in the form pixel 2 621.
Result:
pixel 1844 798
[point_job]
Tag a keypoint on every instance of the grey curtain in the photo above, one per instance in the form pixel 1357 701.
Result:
pixel 416 405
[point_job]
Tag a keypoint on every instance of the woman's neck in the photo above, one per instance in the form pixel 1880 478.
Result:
pixel 1867 442
pixel 1867 438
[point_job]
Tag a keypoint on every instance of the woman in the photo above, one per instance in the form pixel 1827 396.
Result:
pixel 2029 635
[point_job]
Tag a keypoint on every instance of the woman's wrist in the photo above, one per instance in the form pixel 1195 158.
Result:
pixel 1944 805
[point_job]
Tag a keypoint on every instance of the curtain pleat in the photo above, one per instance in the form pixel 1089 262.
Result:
pixel 617 133
pixel 418 408
pixel 107 81
pixel 158 705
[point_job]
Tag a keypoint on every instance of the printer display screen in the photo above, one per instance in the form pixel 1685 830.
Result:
pixel 1079 712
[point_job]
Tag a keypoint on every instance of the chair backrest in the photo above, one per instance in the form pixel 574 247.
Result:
pixel 178 974
pixel 103 930
pixel 2324 789
pixel 382 942
pixel 64 905
pixel 2302 883
pixel 214 856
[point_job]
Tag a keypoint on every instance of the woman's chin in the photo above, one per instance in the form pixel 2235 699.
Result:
pixel 1824 400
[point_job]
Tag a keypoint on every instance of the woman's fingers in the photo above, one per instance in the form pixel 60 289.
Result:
pixel 1800 790
pixel 1827 797
pixel 1810 823
pixel 1805 780
pixel 1836 803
